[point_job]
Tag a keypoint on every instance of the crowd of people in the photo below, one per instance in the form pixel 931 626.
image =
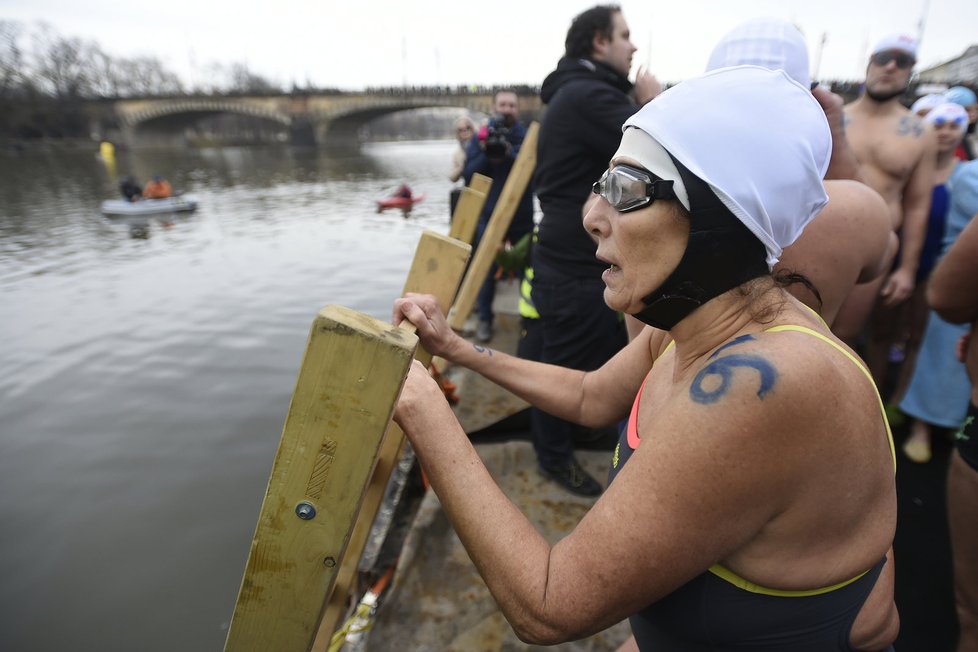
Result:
pixel 713 265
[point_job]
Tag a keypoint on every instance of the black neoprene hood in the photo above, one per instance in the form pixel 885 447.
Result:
pixel 721 254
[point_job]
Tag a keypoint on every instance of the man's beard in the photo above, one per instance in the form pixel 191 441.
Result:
pixel 884 97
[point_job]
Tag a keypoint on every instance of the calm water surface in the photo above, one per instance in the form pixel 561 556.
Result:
pixel 146 370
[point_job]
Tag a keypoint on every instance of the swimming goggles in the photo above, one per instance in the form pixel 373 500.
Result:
pixel 627 188
pixel 940 120
pixel 903 60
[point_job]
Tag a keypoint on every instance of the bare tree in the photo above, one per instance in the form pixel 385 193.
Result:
pixel 62 64
pixel 244 81
pixel 11 58
pixel 104 73
pixel 144 76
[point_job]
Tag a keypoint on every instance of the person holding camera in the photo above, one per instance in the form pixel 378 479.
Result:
pixel 492 152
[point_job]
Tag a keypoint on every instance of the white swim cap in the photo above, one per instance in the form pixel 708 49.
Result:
pixel 927 102
pixel 758 138
pixel 765 42
pixel 902 42
pixel 948 112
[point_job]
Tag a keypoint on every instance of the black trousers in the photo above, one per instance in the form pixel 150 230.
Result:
pixel 576 330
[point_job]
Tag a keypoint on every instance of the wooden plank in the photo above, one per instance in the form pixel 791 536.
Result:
pixel 502 216
pixel 469 208
pixel 466 216
pixel 438 265
pixel 480 183
pixel 344 397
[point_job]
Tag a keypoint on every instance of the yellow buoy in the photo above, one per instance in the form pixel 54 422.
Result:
pixel 107 151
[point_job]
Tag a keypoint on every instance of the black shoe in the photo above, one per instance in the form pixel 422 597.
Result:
pixel 573 478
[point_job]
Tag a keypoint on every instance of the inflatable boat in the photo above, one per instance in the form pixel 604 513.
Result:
pixel 179 204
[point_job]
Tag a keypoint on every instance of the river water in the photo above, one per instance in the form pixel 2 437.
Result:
pixel 146 369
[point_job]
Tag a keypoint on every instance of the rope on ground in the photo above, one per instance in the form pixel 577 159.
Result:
pixel 362 620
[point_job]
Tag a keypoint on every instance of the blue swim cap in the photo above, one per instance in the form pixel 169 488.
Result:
pixel 961 95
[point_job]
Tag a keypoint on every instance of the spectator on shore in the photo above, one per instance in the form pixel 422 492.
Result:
pixel 588 98
pixel 492 152
pixel 464 130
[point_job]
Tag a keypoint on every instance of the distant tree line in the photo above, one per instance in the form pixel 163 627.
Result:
pixel 49 82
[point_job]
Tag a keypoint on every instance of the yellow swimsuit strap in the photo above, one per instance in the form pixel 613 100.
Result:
pixel 856 361
pixel 728 575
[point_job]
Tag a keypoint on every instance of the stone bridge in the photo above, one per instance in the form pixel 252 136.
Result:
pixel 334 119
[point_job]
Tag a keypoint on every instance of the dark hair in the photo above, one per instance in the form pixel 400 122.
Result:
pixel 782 279
pixel 587 25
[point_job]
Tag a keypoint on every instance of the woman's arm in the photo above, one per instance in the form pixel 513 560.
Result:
pixel 592 399
pixel 705 481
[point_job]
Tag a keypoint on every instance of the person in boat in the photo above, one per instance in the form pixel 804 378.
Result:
pixel 130 189
pixel 740 512
pixel 157 188
pixel 403 192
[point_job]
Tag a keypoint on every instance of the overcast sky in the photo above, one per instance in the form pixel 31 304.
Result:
pixel 358 43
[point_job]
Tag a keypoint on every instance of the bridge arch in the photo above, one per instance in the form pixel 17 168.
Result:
pixel 154 111
pixel 342 127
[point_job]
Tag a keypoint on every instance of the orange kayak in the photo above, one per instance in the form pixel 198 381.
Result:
pixel 403 203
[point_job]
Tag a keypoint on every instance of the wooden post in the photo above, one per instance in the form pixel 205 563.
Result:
pixel 469 208
pixel 480 183
pixel 502 216
pixel 466 217
pixel 344 397
pixel 439 263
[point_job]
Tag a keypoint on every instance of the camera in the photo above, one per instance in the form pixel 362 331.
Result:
pixel 497 138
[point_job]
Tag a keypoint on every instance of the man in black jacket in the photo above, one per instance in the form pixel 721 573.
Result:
pixel 588 98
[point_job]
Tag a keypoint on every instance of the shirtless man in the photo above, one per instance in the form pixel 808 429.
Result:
pixel 897 158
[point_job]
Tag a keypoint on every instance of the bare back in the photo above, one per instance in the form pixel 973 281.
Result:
pixel 848 242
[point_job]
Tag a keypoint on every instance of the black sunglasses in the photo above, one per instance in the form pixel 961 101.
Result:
pixel 628 188
pixel 903 60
